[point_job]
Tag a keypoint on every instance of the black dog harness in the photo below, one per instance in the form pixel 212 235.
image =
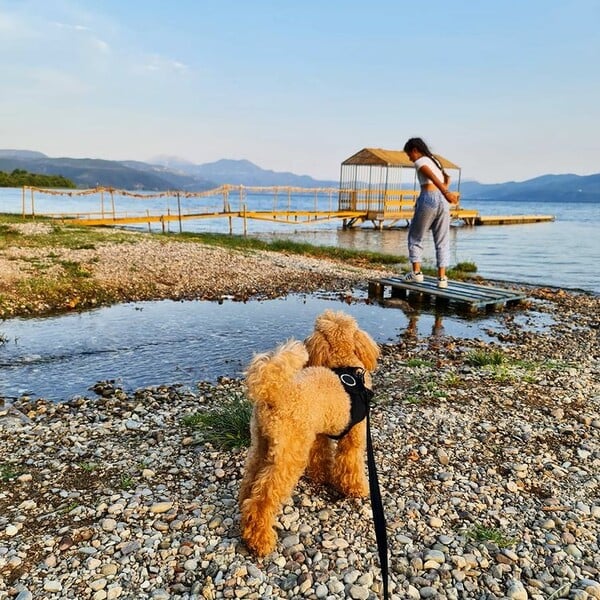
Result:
pixel 353 380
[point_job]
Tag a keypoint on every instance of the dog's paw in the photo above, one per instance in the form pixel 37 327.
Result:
pixel 260 541
pixel 353 489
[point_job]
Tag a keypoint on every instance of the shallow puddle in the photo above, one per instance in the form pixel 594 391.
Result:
pixel 151 343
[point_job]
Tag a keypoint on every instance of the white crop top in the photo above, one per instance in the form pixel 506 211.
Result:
pixel 425 161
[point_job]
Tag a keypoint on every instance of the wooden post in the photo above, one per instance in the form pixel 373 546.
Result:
pixel 23 202
pixel 179 212
pixel 32 204
pixel 245 219
pixel 102 203
pixel 376 290
pixel 112 201
pixel 149 224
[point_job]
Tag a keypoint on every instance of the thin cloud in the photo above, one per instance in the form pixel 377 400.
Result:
pixel 100 45
pixel 158 63
pixel 72 27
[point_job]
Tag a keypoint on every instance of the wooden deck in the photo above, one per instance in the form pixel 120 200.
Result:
pixel 467 296
pixel 511 219
pixel 288 205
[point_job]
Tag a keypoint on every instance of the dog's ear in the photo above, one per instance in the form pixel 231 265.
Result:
pixel 366 349
pixel 318 349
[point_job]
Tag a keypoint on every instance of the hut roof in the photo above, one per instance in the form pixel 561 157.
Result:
pixel 389 158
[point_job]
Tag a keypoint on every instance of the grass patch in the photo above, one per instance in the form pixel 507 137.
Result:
pixel 465 267
pixel 59 236
pixel 65 510
pixel 482 358
pixel 239 242
pixel 227 427
pixel 126 482
pixel 452 380
pixel 45 294
pixel 89 467
pixel 480 533
pixel 74 268
pixel 419 362
pixel 8 472
pixel 504 370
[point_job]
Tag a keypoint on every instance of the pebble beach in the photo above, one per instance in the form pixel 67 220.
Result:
pixel 489 471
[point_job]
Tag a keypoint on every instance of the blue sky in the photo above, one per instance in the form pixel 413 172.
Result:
pixel 509 90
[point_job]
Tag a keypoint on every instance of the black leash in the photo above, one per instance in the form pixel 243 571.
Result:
pixel 361 409
pixel 378 514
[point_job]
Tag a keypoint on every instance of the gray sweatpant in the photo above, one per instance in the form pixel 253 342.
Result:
pixel 432 211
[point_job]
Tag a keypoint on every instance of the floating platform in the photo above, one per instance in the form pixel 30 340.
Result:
pixel 470 297
pixel 511 219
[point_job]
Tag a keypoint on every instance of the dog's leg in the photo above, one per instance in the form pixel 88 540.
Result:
pixel 348 471
pixel 255 459
pixel 272 485
pixel 320 460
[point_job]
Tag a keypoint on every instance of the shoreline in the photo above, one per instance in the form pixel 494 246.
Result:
pixel 490 473
pixel 40 279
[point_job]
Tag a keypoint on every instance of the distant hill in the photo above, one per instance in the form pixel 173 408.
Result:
pixel 89 173
pixel 173 173
pixel 164 173
pixel 241 172
pixel 549 188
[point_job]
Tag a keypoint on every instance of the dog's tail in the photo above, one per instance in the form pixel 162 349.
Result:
pixel 268 374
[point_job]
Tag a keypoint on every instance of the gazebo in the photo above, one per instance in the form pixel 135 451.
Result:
pixel 382 184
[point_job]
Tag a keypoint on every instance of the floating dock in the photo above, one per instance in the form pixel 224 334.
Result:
pixel 277 204
pixel 511 219
pixel 470 297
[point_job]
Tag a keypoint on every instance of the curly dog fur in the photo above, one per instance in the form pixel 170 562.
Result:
pixel 298 402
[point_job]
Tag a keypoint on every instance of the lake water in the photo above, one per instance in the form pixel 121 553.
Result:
pixel 153 343
pixel 562 253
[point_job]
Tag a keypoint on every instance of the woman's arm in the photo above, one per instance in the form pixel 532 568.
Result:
pixel 450 196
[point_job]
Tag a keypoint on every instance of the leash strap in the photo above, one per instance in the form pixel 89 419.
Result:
pixel 352 378
pixel 378 514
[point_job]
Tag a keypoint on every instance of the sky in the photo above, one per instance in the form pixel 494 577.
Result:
pixel 509 89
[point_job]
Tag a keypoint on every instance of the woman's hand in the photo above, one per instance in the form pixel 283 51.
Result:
pixel 451 197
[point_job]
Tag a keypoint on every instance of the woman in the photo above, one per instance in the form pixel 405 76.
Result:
pixel 432 211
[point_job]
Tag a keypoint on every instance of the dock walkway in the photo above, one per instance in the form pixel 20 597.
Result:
pixel 467 296
pixel 511 219
pixel 277 204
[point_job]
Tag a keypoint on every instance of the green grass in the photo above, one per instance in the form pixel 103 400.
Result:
pixel 74 268
pixel 481 358
pixel 8 472
pixel 90 467
pixel 480 533
pixel 239 242
pixel 227 427
pixel 419 362
pixel 465 267
pixel 126 482
pixel 505 370
pixel 65 510
pixel 59 235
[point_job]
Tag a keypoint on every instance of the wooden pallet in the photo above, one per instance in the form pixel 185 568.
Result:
pixel 469 296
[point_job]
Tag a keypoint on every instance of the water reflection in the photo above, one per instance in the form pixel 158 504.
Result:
pixel 152 343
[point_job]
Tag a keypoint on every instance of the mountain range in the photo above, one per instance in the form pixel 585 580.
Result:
pixel 169 173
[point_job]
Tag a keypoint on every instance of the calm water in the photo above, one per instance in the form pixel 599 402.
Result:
pixel 184 342
pixel 152 343
pixel 563 253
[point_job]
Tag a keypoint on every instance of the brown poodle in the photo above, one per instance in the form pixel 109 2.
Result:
pixel 298 403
